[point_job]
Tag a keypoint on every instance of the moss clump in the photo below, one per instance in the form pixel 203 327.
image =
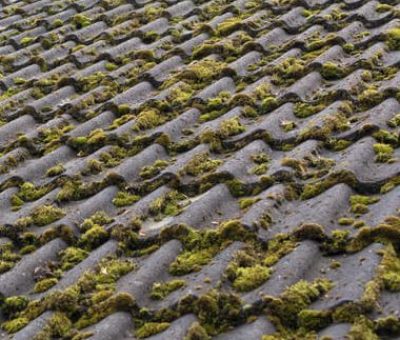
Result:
pixel 201 164
pixel 244 203
pixel 218 311
pixel 148 119
pixel 196 332
pixel 46 214
pixel 332 71
pixel 55 170
pixel 161 289
pixel 71 256
pixel 296 298
pixel 201 72
pixel 394 122
pixel 384 152
pixel 314 319
pixel 167 205
pixel 192 261
pixel 370 97
pixel 304 110
pixel 15 325
pixel 81 20
pixel 391 269
pixel 29 192
pixel 13 305
pixel 359 203
pixel 249 278
pixel 262 160
pixel 44 284
pixel 58 326
pixel 123 198
pixel 346 221
pixel 230 127
pixel 94 237
pixel 150 171
pixel 151 328
pixel 393 38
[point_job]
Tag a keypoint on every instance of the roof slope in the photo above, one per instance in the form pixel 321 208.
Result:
pixel 194 169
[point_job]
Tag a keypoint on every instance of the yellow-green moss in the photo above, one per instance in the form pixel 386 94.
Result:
pixel 304 110
pixel 71 256
pixel 123 198
pixel 230 127
pixel 196 332
pixel 168 204
pixel 393 38
pixel 55 170
pixel 94 237
pixel 192 261
pixel 201 164
pixel 14 304
pixel 384 152
pixel 46 214
pixel 14 325
pixel 249 278
pixel 44 284
pixel 161 289
pixel 151 328
pixel 332 71
pixel 150 171
pixel 359 203
pixel 248 202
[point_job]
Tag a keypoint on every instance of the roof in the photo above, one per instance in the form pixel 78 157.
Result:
pixel 194 169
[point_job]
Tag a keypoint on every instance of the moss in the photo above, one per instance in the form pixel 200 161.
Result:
pixel 81 20
pixel 394 122
pixel 384 152
pixel 123 198
pixel 150 171
pixel 94 237
pixel 269 103
pixel 391 269
pixel 14 325
pixel 29 192
pixel 148 119
pixel 58 326
pixel 69 191
pixel 201 164
pixel 359 203
pixel 249 278
pixel 45 284
pixel 393 38
pixel 314 319
pixel 168 205
pixel 93 166
pixel 289 69
pixel 296 298
pixel 244 203
pixel 55 170
pixel 332 71
pixel 304 110
pixel 362 328
pixel 26 40
pixel 218 311
pixel 192 261
pixel 346 221
pixel 13 305
pixel 151 328
pixel 71 256
pixel 230 127
pixel 196 332
pixel 161 289
pixel 370 97
pixel 46 214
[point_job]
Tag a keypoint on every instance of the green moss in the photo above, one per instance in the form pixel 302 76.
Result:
pixel 332 71
pixel 29 192
pixel 168 205
pixel 44 284
pixel 55 170
pixel 148 119
pixel 391 184
pixel 201 164
pixel 391 270
pixel 46 214
pixel 384 152
pixel 150 171
pixel 71 256
pixel 370 97
pixel 80 21
pixel 296 298
pixel 14 325
pixel 244 203
pixel 230 127
pixel 192 261
pixel 151 328
pixel 362 328
pixel 123 198
pixel 218 311
pixel 161 289
pixel 314 319
pixel 249 278
pixel 196 332
pixel 304 110
pixel 94 237
pixel 26 40
pixel 346 221
pixel 359 203
pixel 394 122
pixel 14 304
pixel 393 38
pixel 269 103
pixel 58 326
